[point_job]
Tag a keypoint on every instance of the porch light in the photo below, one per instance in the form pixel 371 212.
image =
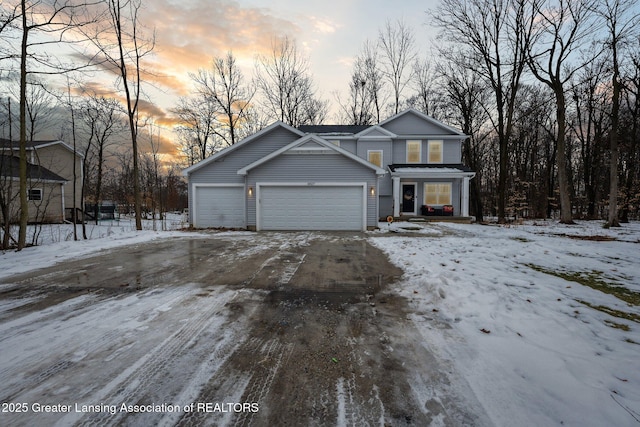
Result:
pixel 250 191
pixel 372 190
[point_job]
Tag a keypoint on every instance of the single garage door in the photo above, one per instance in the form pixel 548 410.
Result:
pixel 315 207
pixel 219 207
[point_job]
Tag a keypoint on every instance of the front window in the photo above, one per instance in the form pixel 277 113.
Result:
pixel 375 157
pixel 435 151
pixel 34 194
pixel 414 151
pixel 437 194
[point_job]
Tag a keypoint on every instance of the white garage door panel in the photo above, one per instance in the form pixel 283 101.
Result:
pixel 219 207
pixel 311 207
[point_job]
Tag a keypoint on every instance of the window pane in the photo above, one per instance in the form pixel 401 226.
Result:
pixel 375 157
pixel 435 151
pixel 437 194
pixel 413 151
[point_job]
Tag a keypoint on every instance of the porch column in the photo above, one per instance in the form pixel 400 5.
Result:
pixel 465 196
pixel 396 196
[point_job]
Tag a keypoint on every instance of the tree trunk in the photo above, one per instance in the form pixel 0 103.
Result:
pixel 24 206
pixel 566 216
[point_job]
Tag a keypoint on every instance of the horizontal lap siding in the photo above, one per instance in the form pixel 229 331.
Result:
pixel 297 168
pixel 225 170
pixel 386 188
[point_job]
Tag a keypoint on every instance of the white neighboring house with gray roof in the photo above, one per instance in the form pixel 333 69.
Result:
pixel 332 177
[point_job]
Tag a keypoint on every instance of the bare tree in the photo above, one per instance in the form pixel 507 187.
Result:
pixel 283 80
pixel 123 47
pixel 397 43
pixel 466 95
pixel 223 86
pixel 493 34
pixel 54 20
pixel 621 22
pixel 102 120
pixel 197 137
pixel 562 27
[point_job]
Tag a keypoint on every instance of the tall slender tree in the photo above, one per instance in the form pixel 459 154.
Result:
pixel 123 45
pixel 621 22
pixel 493 34
pixel 562 27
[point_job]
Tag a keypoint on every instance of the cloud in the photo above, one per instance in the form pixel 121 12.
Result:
pixel 323 25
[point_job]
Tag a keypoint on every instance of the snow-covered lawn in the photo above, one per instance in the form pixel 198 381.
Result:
pixel 56 241
pixel 519 314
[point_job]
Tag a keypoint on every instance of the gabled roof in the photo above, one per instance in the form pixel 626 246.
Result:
pixel 323 145
pixel 240 144
pixel 413 111
pixel 6 144
pixel 10 167
pixel 375 132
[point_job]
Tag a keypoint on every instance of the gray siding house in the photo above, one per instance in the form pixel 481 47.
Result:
pixel 332 177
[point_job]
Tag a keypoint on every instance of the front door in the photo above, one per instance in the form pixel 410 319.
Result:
pixel 409 199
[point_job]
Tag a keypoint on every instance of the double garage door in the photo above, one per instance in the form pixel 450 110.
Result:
pixel 283 207
pixel 311 207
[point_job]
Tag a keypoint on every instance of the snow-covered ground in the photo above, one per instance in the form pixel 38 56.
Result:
pixel 55 242
pixel 535 347
pixel 507 307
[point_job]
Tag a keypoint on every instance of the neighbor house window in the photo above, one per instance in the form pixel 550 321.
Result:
pixel 414 151
pixel 435 152
pixel 375 157
pixel 34 194
pixel 437 194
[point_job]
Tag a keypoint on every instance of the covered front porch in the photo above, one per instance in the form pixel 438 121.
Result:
pixel 432 192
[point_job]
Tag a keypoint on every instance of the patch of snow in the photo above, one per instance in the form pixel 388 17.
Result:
pixel 531 345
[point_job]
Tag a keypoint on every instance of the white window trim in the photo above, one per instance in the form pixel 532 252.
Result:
pixel 435 141
pixel 409 141
pixel 381 165
pixel 438 183
pixel 38 190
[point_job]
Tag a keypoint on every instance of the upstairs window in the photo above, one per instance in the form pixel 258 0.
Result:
pixel 435 151
pixel 414 151
pixel 437 194
pixel 375 157
pixel 34 194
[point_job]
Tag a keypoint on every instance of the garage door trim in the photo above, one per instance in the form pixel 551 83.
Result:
pixel 362 185
pixel 194 208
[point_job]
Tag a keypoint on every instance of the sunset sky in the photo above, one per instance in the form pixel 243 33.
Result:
pixel 330 33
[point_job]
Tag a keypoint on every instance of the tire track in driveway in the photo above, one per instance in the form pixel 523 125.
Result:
pixel 150 378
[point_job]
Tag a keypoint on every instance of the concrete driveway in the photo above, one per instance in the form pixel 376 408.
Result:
pixel 233 329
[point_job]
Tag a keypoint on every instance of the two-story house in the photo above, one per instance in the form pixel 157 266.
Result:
pixel 53 169
pixel 332 177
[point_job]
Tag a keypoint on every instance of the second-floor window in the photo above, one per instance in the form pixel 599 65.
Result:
pixel 435 151
pixel 375 157
pixel 414 151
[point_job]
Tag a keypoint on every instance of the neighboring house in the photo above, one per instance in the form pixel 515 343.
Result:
pixel 332 177
pixel 45 191
pixel 56 157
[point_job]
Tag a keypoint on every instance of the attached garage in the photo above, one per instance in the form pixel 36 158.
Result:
pixel 321 206
pixel 218 206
